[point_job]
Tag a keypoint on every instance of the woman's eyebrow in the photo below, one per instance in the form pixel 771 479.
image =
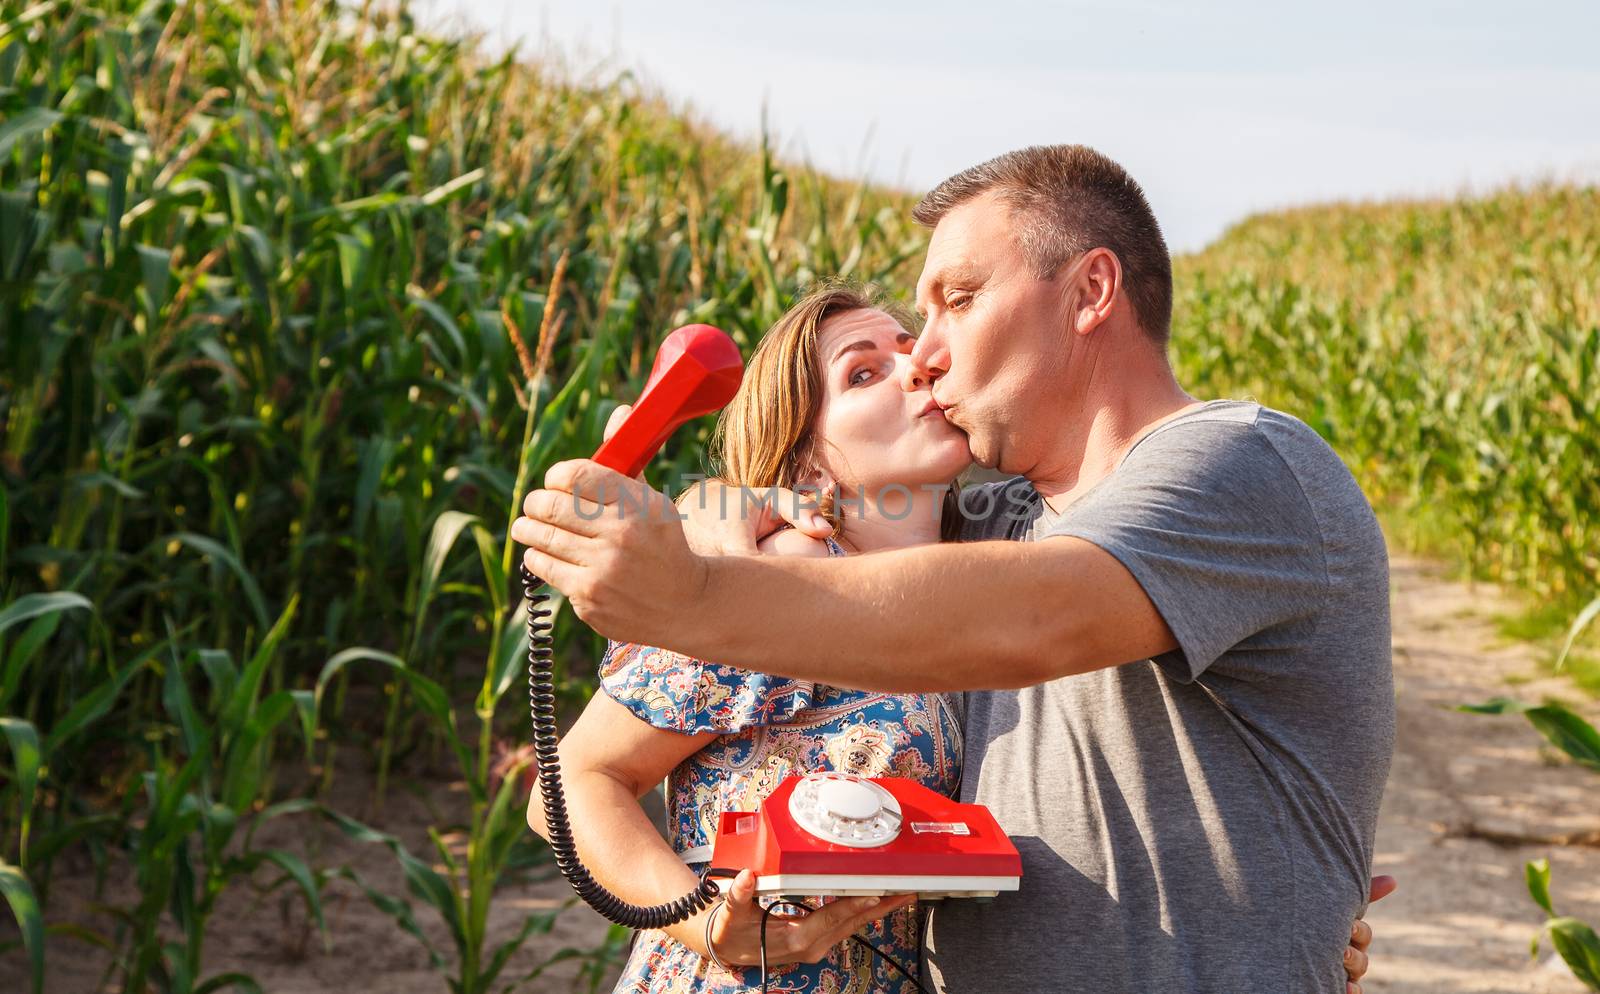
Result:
pixel 857 346
pixel 866 344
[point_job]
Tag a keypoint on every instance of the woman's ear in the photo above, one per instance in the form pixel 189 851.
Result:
pixel 816 480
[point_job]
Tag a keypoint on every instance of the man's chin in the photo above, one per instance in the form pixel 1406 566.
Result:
pixel 982 455
pixel 972 453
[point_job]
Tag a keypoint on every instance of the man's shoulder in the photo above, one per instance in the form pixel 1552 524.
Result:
pixel 1285 439
pixel 1234 430
pixel 1255 457
pixel 1221 436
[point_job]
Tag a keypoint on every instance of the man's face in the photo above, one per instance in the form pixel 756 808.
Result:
pixel 995 342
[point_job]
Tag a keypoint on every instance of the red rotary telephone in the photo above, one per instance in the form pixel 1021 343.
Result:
pixel 825 833
pixel 835 833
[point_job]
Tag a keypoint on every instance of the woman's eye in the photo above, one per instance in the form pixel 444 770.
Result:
pixel 860 376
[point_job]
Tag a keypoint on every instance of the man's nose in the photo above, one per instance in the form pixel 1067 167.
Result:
pixel 923 365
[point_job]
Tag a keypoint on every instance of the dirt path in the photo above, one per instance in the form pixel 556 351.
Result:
pixel 1462 918
pixel 1460 923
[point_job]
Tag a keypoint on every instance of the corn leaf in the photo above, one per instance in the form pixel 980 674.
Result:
pixel 30 920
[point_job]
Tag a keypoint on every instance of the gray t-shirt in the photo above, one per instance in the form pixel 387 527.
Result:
pixel 1203 821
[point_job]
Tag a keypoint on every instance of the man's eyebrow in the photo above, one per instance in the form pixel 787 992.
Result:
pixel 866 344
pixel 963 272
pixel 966 272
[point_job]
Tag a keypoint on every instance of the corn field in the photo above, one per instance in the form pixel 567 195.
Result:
pixel 295 301
pixel 1449 351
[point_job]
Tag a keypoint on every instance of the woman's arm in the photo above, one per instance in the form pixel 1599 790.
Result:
pixel 609 759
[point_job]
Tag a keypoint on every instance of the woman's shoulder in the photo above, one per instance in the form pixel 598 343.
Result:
pixel 790 542
pixel 670 690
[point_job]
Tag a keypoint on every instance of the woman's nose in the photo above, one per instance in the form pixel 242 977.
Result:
pixel 916 373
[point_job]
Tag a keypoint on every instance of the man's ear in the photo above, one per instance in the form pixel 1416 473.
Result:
pixel 1093 289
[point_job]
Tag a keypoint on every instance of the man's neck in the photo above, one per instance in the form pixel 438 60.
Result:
pixel 1114 418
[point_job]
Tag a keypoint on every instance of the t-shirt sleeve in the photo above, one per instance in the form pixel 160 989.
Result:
pixel 988 511
pixel 1214 526
pixel 683 694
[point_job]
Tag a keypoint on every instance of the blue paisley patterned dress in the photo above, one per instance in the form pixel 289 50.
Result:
pixel 772 727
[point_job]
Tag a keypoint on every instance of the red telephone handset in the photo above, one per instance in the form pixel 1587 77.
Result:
pixel 697 371
pixel 826 833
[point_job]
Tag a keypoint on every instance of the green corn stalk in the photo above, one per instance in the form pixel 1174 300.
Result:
pixel 30 921
pixel 194 839
pixel 27 756
pixel 498 842
pixel 1575 941
pixel 1584 619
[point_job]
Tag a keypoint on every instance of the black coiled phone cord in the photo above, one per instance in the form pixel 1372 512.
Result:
pixel 542 696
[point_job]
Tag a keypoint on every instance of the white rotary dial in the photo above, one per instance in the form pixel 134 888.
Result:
pixel 847 810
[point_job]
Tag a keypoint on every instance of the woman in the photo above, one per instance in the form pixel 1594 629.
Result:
pixel 822 408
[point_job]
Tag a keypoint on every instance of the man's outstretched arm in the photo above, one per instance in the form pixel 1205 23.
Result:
pixel 932 618
pixel 937 617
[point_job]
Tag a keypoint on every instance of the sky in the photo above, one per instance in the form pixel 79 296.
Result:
pixel 1219 111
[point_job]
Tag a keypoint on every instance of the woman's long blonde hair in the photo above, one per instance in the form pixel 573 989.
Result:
pixel 764 437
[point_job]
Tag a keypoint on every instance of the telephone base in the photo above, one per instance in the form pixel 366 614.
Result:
pixel 927 887
pixel 839 835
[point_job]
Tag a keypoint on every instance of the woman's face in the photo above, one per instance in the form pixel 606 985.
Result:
pixel 872 432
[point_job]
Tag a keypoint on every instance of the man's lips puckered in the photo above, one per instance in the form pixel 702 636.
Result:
pixel 935 402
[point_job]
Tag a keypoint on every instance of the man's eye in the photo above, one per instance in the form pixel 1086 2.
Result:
pixel 959 302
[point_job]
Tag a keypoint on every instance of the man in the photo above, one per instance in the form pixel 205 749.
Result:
pixel 1189 628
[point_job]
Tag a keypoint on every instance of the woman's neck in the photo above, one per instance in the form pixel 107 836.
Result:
pixel 894 518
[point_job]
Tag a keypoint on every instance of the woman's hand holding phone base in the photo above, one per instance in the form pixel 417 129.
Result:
pixel 729 932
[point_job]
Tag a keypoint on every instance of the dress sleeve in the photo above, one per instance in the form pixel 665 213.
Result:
pixel 682 694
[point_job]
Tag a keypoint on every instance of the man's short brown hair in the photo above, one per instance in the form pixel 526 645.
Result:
pixel 1070 199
